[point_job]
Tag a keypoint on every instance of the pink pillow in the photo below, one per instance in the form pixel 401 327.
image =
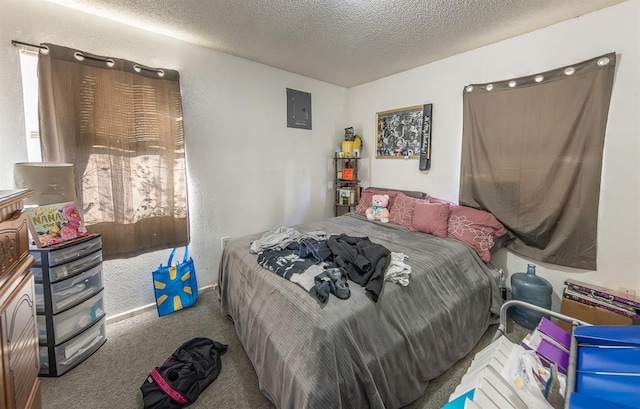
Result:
pixel 365 201
pixel 401 212
pixel 432 199
pixel 430 218
pixel 476 228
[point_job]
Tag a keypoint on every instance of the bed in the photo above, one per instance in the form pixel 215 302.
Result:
pixel 357 353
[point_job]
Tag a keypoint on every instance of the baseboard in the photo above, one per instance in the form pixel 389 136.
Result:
pixel 132 313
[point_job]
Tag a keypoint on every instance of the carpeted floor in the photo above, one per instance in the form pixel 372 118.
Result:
pixel 111 377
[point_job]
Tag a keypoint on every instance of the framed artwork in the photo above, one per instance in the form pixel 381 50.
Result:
pixel 399 132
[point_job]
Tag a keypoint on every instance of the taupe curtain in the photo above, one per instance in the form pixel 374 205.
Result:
pixel 120 124
pixel 532 155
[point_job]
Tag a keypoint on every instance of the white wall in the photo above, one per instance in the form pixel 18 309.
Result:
pixel 247 171
pixel 613 29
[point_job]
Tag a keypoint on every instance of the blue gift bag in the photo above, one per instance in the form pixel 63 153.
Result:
pixel 176 286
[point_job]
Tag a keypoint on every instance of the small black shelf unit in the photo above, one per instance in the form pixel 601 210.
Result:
pixel 346 185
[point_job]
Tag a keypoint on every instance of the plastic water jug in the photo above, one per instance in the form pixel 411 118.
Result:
pixel 528 287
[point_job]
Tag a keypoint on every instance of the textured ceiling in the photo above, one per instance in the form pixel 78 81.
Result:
pixel 343 42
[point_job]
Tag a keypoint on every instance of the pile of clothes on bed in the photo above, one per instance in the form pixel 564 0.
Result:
pixel 322 263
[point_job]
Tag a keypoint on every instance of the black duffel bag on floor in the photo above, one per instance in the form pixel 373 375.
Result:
pixel 184 375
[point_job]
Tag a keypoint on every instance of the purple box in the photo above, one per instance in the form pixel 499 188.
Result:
pixel 552 353
pixel 554 332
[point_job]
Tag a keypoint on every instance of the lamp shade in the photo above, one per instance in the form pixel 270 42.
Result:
pixel 51 182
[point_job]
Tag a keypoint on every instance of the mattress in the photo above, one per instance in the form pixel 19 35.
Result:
pixel 356 353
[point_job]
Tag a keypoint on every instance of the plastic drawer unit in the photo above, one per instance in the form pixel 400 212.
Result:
pixel 61 254
pixel 70 292
pixel 69 303
pixel 83 255
pixel 61 358
pixel 69 323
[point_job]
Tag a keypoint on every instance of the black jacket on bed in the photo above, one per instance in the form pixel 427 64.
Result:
pixel 365 262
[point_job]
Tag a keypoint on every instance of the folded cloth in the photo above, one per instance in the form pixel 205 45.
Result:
pixel 398 271
pixel 280 237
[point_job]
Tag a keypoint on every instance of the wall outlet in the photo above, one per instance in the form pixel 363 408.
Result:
pixel 628 291
pixel 223 241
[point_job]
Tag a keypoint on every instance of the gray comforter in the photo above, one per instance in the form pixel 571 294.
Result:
pixel 356 353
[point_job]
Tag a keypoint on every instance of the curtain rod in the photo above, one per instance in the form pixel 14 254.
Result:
pixel 137 67
pixel 17 43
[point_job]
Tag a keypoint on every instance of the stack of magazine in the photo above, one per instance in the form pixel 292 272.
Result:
pixel 589 294
pixel 505 375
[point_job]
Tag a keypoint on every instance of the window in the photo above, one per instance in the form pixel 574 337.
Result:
pixel 29 69
pixel 120 124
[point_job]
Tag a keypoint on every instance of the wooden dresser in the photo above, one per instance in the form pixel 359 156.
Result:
pixel 19 361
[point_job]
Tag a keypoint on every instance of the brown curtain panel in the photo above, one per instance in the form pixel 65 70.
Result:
pixel 532 155
pixel 120 124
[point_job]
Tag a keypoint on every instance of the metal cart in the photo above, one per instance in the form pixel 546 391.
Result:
pixel 573 352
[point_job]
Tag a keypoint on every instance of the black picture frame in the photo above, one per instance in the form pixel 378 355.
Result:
pixel 425 144
pixel 298 109
pixel 399 133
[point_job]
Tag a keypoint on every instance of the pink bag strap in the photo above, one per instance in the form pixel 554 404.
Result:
pixel 166 388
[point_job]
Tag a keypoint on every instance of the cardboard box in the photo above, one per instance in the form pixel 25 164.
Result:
pixel 591 294
pixel 591 314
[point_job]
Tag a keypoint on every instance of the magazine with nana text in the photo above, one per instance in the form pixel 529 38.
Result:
pixel 56 223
